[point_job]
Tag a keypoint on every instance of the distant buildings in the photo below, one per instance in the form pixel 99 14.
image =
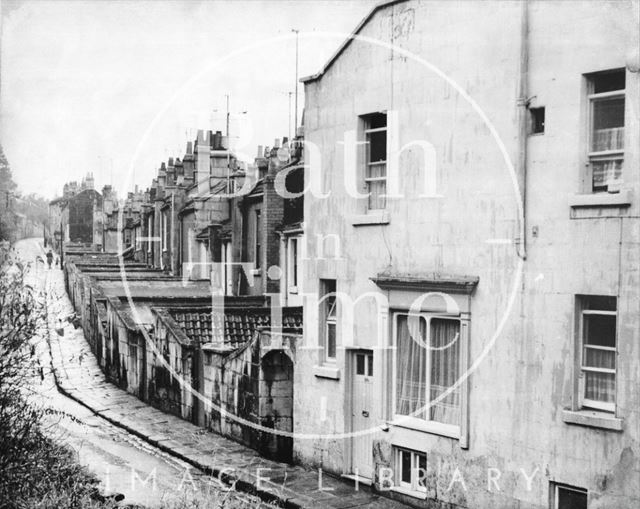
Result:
pixel 77 215
pixel 205 233
pixel 453 269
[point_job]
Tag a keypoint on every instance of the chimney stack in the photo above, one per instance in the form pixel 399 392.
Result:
pixel 203 163
pixel 217 140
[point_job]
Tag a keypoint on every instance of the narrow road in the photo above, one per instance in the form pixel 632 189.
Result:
pixel 125 464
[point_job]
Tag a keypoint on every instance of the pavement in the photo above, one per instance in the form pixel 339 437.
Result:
pixel 78 376
pixel 123 463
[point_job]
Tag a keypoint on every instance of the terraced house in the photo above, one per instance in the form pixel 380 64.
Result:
pixel 181 311
pixel 449 310
pixel 475 337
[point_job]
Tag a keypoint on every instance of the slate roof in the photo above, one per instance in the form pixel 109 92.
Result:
pixel 156 289
pixel 240 324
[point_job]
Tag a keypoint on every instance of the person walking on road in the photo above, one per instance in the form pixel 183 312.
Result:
pixel 49 258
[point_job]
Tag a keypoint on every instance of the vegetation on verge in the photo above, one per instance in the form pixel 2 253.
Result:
pixel 37 471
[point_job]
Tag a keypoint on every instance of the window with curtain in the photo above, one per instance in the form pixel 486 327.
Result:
pixel 375 134
pixel 606 117
pixel 427 366
pixel 598 357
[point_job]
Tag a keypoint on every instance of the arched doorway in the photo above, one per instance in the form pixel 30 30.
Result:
pixel 276 404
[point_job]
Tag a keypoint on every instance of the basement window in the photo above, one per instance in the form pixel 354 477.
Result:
pixel 568 497
pixel 411 470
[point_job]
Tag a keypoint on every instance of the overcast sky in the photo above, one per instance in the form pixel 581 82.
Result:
pixel 95 85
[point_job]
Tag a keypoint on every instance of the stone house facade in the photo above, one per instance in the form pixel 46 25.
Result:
pixel 474 265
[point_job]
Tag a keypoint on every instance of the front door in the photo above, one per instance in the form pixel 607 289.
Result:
pixel 362 417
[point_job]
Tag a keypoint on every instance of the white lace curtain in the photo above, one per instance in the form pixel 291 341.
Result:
pixel 600 386
pixel 413 365
pixel 445 369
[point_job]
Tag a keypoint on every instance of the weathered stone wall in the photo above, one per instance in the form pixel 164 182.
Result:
pixel 169 365
pixel 521 387
pixel 276 405
pixel 231 385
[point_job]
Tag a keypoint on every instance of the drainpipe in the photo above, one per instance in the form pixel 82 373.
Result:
pixel 171 246
pixel 523 121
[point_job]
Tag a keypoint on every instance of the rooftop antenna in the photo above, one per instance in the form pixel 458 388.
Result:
pixel 228 148
pixel 289 94
pixel 228 184
pixel 296 31
pixel 227 96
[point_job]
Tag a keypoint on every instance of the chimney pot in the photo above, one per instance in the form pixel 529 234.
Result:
pixel 217 141
pixel 203 137
pixel 276 143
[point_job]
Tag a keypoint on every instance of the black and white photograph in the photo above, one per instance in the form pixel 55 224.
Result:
pixel 309 254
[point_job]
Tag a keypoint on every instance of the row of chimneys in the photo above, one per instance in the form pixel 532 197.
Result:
pixel 214 141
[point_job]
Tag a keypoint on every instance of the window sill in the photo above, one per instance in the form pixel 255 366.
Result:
pixel 431 427
pixel 621 199
pixel 330 372
pixel 408 492
pixel 372 218
pixel 592 419
pixel 357 478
